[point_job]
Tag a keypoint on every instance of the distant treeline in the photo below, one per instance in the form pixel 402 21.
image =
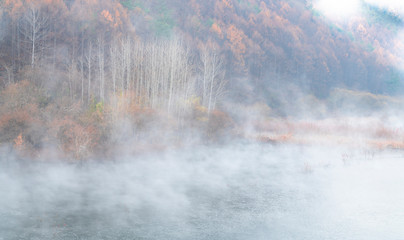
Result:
pixel 69 52
pixel 266 43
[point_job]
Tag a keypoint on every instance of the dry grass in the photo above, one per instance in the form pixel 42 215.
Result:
pixel 368 132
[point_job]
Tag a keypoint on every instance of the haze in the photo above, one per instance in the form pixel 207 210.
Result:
pixel 234 192
pixel 216 119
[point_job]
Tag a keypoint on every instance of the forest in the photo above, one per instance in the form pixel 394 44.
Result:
pixel 85 78
pixel 201 119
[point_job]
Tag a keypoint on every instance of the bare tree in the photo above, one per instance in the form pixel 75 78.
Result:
pixel 101 67
pixel 73 76
pixel 9 72
pixel 81 61
pixel 167 75
pixel 212 83
pixel 157 74
pixel 114 61
pixel 89 59
pixel 35 28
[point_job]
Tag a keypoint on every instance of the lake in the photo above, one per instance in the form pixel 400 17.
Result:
pixel 234 191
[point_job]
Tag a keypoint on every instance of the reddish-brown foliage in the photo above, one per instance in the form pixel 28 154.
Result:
pixel 74 139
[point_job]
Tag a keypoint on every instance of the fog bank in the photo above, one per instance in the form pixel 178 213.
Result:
pixel 240 191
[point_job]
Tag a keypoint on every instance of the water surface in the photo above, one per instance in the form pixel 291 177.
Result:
pixel 240 191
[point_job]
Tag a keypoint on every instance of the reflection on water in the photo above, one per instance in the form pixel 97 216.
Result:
pixel 234 192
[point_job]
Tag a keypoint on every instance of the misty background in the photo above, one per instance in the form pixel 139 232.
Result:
pixel 216 119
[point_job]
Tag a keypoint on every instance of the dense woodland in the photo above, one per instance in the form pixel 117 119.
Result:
pixel 85 76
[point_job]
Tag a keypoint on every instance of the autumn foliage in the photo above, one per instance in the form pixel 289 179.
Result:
pixel 85 76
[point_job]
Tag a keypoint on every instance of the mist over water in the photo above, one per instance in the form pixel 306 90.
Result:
pixel 224 119
pixel 238 191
